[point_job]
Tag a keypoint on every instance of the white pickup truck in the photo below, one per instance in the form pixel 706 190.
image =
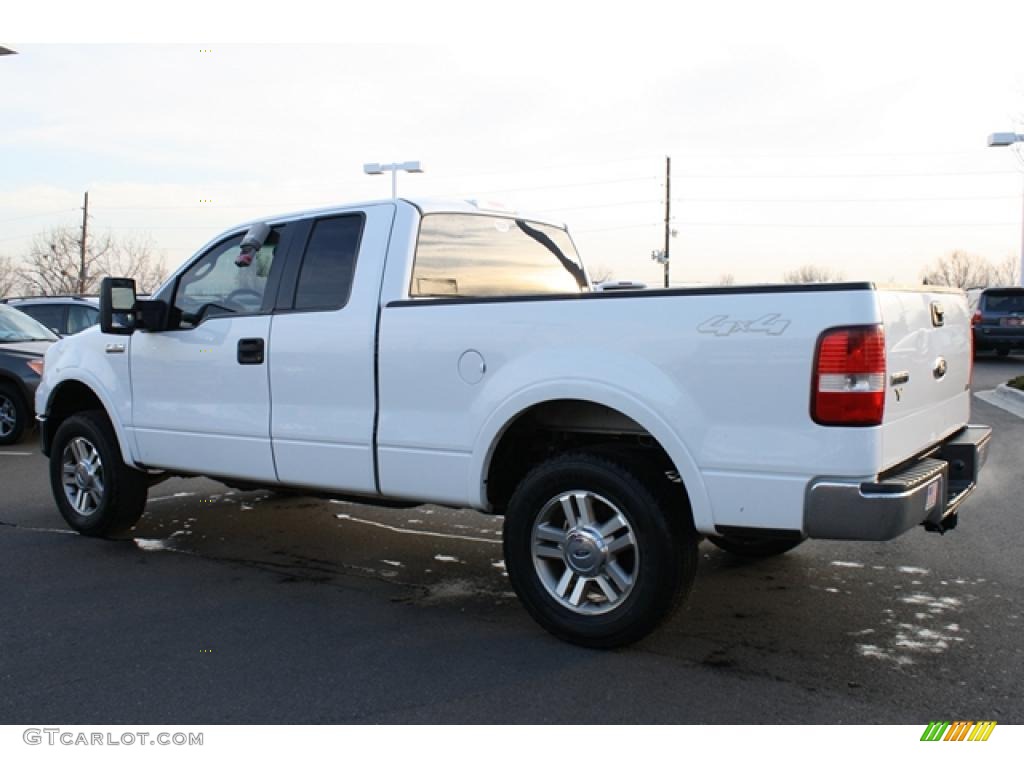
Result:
pixel 402 352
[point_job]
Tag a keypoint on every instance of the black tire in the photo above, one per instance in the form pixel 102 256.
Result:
pixel 754 546
pixel 14 414
pixel 1003 352
pixel 116 502
pixel 659 559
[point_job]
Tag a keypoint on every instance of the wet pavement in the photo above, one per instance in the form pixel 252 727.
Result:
pixel 229 606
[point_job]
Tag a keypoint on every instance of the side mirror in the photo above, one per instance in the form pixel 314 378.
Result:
pixel 117 302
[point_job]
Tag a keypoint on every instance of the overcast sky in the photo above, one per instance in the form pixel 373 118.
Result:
pixel 850 138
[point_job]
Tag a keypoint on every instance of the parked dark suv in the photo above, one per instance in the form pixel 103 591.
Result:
pixel 23 342
pixel 998 320
pixel 63 315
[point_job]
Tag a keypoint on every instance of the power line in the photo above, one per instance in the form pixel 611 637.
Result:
pixel 567 186
pixel 801 225
pixel 840 199
pixel 880 175
pixel 36 215
pixel 627 203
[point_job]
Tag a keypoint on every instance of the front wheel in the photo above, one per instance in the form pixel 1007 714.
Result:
pixel 96 492
pixel 598 557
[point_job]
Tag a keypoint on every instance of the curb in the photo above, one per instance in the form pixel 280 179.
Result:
pixel 1006 398
pixel 1010 394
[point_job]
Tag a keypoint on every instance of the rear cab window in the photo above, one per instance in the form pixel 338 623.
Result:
pixel 473 255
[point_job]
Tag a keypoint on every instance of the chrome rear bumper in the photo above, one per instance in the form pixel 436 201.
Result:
pixel 928 492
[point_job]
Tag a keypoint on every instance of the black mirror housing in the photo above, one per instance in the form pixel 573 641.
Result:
pixel 117 304
pixel 151 315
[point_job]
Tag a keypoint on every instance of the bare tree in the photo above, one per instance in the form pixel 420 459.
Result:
pixel 9 277
pixel 56 265
pixel 727 278
pixel 600 273
pixel 134 257
pixel 1006 272
pixel 811 273
pixel 960 270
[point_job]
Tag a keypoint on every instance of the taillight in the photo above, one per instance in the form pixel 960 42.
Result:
pixel 975 320
pixel 849 377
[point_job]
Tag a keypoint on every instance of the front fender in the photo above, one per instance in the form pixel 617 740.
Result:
pixel 83 359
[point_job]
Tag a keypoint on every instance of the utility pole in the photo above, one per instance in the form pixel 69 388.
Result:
pixel 85 231
pixel 668 210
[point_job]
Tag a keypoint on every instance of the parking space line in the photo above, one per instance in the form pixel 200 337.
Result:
pixel 396 529
pixel 16 453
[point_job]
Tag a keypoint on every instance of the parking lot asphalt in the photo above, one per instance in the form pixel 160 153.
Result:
pixel 245 607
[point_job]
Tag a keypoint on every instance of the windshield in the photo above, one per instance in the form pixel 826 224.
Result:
pixel 17 326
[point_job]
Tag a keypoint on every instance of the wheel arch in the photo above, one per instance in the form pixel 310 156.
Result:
pixel 19 387
pixel 74 395
pixel 623 415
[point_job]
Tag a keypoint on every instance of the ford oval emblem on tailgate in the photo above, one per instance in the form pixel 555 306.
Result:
pixel 938 314
pixel 939 369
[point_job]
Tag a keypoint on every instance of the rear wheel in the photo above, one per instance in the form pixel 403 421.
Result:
pixel 96 492
pixel 14 415
pixel 754 546
pixel 1003 351
pixel 598 557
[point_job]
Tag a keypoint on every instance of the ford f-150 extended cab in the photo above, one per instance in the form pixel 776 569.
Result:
pixel 407 352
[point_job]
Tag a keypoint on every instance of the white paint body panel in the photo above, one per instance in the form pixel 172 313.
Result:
pixel 196 409
pixel 723 405
pixel 731 409
pixel 322 379
pixel 83 358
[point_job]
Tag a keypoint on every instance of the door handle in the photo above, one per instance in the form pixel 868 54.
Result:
pixel 250 351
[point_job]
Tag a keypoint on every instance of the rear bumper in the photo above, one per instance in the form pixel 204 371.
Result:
pixel 929 492
pixel 986 337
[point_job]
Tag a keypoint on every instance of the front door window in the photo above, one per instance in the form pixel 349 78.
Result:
pixel 220 283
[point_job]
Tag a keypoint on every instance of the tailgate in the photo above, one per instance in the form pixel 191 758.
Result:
pixel 928 362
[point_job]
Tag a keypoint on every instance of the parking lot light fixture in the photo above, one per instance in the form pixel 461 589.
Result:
pixel 1007 139
pixel 376 169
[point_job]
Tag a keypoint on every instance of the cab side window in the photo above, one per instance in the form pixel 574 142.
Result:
pixel 325 281
pixel 50 315
pixel 219 284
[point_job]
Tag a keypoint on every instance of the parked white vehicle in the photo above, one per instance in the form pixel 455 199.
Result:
pixel 412 352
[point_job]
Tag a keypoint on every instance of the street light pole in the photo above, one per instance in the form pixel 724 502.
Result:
pixel 668 211
pixel 1005 140
pixel 376 169
pixel 1021 275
